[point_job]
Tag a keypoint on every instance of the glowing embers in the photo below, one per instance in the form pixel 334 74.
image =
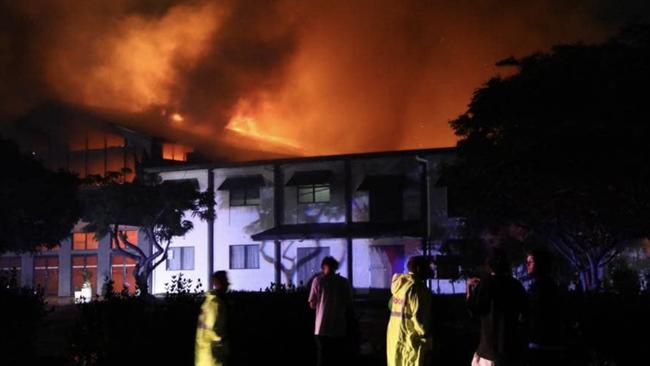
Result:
pixel 176 152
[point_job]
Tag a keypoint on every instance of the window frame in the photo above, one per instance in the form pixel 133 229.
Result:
pixel 313 188
pixel 246 198
pixel 86 240
pixel 182 250
pixel 246 253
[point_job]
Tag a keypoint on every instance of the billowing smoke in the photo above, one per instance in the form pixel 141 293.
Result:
pixel 304 77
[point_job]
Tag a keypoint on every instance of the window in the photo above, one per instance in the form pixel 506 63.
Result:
pixel 309 261
pixel 46 275
pixel 131 236
pixel 314 193
pixel 8 265
pixel 84 241
pixel 84 267
pixel 180 259
pixel 175 152
pixel 123 273
pixel 248 196
pixel 245 256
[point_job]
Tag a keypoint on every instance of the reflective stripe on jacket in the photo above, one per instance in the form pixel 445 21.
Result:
pixel 408 338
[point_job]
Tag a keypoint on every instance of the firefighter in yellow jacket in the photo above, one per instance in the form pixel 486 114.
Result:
pixel 211 333
pixel 409 341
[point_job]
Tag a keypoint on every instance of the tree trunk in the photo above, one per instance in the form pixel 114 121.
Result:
pixel 141 280
pixel 591 277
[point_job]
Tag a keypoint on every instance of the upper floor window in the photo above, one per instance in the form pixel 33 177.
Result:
pixel 175 152
pixel 314 193
pixel 385 196
pixel 244 190
pixel 131 237
pixel 246 196
pixel 84 241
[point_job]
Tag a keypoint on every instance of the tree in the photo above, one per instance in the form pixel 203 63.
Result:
pixel 158 208
pixel 39 207
pixel 560 149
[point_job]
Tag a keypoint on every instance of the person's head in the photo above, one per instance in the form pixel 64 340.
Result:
pixel 538 262
pixel 329 265
pixel 220 281
pixel 497 262
pixel 420 266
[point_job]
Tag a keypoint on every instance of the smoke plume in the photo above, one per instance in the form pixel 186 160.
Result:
pixel 300 77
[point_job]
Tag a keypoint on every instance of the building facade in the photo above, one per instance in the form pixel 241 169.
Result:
pixel 275 221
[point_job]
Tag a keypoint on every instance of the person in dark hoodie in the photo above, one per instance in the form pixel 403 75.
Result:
pixel 546 334
pixel 500 302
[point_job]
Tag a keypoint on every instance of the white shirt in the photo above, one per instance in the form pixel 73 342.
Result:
pixel 333 297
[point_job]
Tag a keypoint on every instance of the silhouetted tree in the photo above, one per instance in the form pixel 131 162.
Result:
pixel 39 207
pixel 560 149
pixel 158 208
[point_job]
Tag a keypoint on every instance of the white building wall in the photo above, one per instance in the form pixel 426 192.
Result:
pixel 235 225
pixel 197 238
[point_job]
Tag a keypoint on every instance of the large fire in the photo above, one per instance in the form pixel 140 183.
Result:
pixel 290 77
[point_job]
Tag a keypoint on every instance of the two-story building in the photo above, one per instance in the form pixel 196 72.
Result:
pixel 276 220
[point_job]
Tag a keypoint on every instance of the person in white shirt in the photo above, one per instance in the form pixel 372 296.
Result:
pixel 331 297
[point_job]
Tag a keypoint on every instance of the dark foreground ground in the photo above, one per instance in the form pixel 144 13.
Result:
pixel 276 329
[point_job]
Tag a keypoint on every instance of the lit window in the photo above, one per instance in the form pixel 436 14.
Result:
pixel 113 140
pixel 46 275
pixel 131 237
pixel 314 193
pixel 175 152
pixel 180 259
pixel 248 196
pixel 245 256
pixel 84 268
pixel 123 273
pixel 84 241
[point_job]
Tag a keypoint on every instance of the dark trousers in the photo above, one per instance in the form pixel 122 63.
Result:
pixel 332 351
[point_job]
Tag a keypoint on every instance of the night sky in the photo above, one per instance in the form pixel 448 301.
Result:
pixel 303 77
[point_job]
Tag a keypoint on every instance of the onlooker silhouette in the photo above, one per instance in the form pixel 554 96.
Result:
pixel 546 326
pixel 211 334
pixel 499 301
pixel 331 297
pixel 408 340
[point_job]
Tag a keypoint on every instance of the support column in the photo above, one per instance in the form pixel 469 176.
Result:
pixel 278 218
pixel 210 224
pixel 348 217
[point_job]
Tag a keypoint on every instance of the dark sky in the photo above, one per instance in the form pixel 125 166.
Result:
pixel 312 77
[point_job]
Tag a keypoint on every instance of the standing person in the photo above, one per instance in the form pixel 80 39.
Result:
pixel 211 347
pixel 546 337
pixel 499 301
pixel 331 297
pixel 408 340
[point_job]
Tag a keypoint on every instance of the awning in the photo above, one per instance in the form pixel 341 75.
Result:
pixel 310 177
pixel 249 181
pixel 342 230
pixel 372 181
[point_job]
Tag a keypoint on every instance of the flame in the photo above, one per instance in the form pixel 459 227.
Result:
pixel 249 127
pixel 244 122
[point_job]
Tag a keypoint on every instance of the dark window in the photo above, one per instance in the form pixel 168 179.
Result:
pixel 385 204
pixel 245 256
pixel 180 259
pixel 247 196
pixel 309 261
pixel 314 193
pixel 9 266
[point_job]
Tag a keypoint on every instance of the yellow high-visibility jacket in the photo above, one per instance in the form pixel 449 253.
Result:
pixel 211 348
pixel 408 340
